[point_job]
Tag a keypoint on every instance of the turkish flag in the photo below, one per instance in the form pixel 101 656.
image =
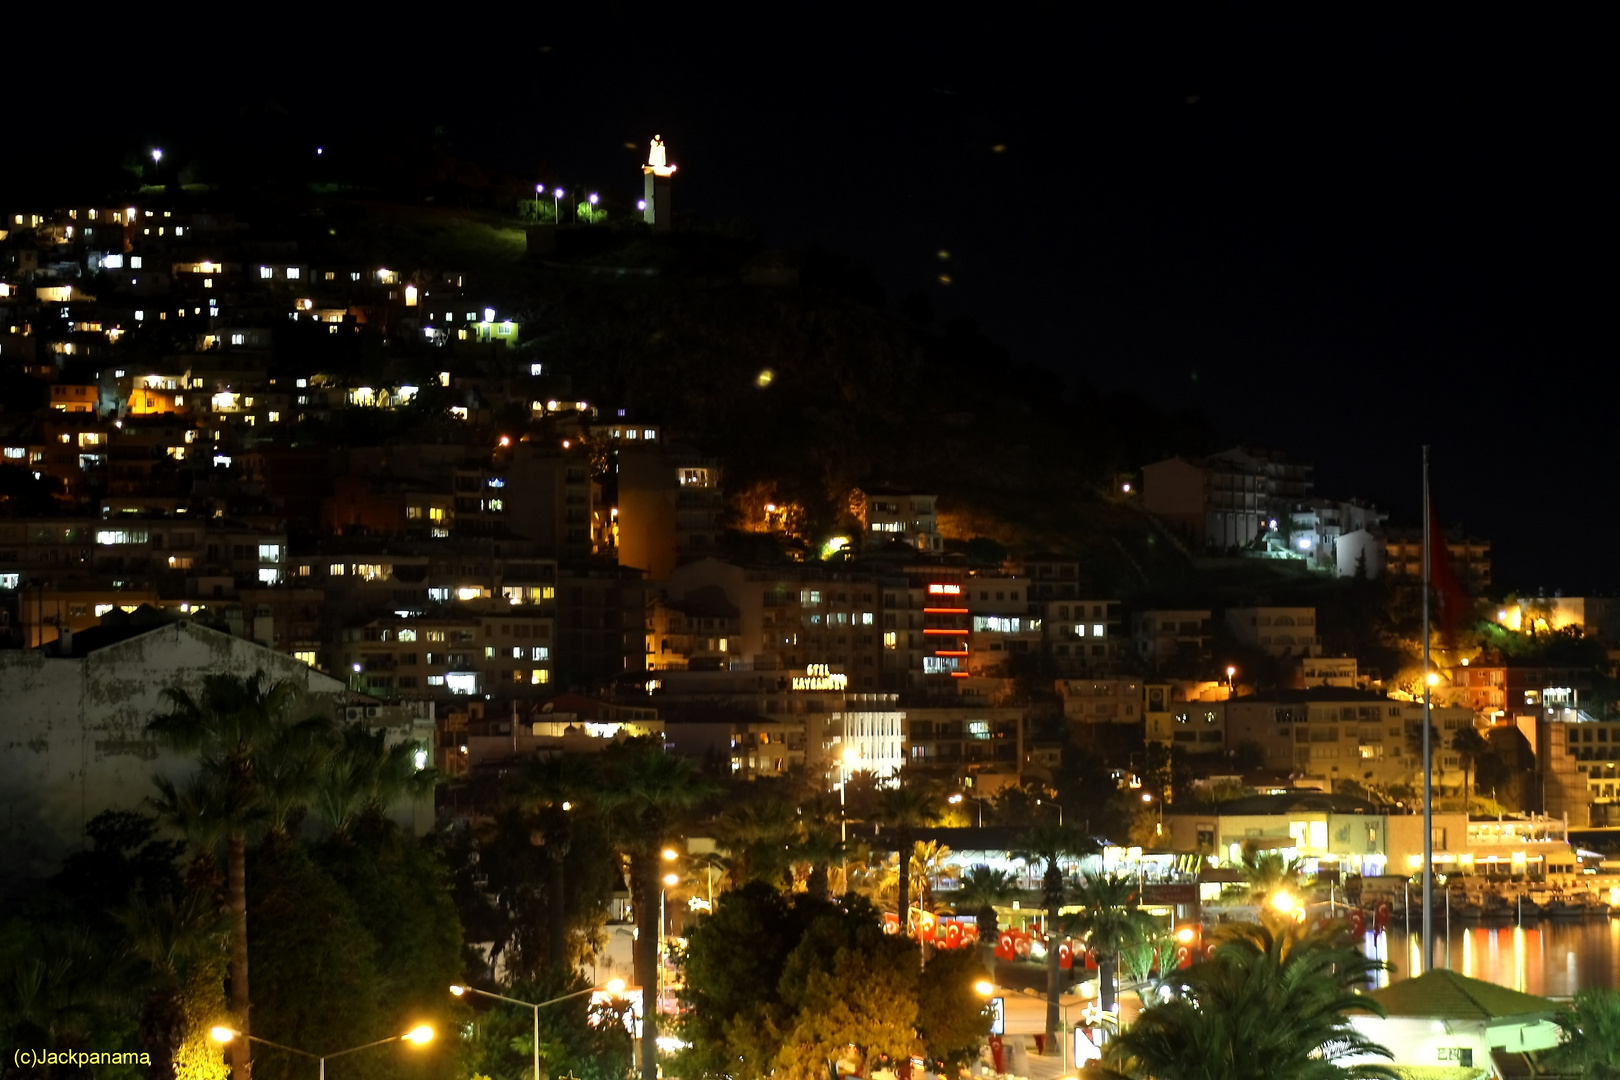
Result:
pixel 1065 956
pixel 891 923
pixel 970 933
pixel 1381 917
pixel 1358 923
pixel 1021 946
pixel 1005 945
pixel 927 925
pixel 953 935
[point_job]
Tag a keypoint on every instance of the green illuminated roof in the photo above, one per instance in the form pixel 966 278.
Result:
pixel 1446 995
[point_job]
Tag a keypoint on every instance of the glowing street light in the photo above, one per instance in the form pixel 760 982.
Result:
pixel 420 1035
pixel 556 205
pixel 984 988
pixel 157 155
pixel 1287 903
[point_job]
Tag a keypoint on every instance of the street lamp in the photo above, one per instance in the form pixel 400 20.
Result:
pixel 1230 689
pixel 556 205
pixel 845 760
pixel 956 799
pixel 592 198
pixel 1042 802
pixel 420 1035
pixel 614 987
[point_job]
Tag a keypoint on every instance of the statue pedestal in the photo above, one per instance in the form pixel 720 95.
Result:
pixel 655 191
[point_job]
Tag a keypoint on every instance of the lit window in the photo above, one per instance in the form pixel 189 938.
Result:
pixel 134 262
pixel 406 633
pixel 335 570
pixel 539 652
pixel 266 272
pixel 292 273
pixel 539 676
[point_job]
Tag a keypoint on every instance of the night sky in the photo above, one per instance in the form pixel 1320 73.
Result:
pixel 1343 237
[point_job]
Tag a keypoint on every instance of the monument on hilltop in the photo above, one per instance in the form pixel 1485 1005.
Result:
pixel 656 175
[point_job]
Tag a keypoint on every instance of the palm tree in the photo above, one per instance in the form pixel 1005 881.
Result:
pixel 1271 1002
pixel 229 724
pixel 363 775
pixel 547 789
pixel 1470 745
pixel 1050 844
pixel 907 806
pixel 818 847
pixel 760 836
pixel 1110 922
pixel 183 941
pixel 980 890
pixel 1267 872
pixel 1591 1046
pixel 647 793
pixel 928 861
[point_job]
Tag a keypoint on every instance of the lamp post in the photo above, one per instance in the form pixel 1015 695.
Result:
pixel 1042 802
pixel 420 1035
pixel 1230 689
pixel 556 206
pixel 613 987
pixel 960 795
pixel 845 760
pixel 592 199
pixel 670 880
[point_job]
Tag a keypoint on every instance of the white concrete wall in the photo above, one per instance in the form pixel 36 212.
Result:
pixel 72 738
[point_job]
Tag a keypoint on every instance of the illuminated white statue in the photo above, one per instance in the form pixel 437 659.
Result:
pixel 657 163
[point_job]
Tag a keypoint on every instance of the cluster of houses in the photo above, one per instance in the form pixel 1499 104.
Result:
pixel 170 458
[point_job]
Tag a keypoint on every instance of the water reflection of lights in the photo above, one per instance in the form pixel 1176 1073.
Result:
pixel 1518 959
pixel 1468 953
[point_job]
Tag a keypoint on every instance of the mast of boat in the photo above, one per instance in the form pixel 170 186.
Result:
pixel 1428 760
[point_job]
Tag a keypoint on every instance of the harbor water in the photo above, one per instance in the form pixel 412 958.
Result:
pixel 1546 957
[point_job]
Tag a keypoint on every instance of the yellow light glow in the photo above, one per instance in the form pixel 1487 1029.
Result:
pixel 984 987
pixel 614 986
pixel 458 990
pixel 672 879
pixel 1432 679
pixel 1285 903
pixel 419 1035
pixel 670 854
pixel 851 755
pixel 221 1034
pixel 1185 935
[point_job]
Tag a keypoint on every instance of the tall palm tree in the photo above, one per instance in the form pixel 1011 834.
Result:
pixel 229 723
pixel 1050 844
pixel 980 891
pixel 1271 1002
pixel 911 804
pixel 760 835
pixel 546 791
pixel 1470 746
pixel 1110 922
pixel 648 794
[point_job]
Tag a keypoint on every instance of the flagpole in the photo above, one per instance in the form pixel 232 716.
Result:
pixel 1428 767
